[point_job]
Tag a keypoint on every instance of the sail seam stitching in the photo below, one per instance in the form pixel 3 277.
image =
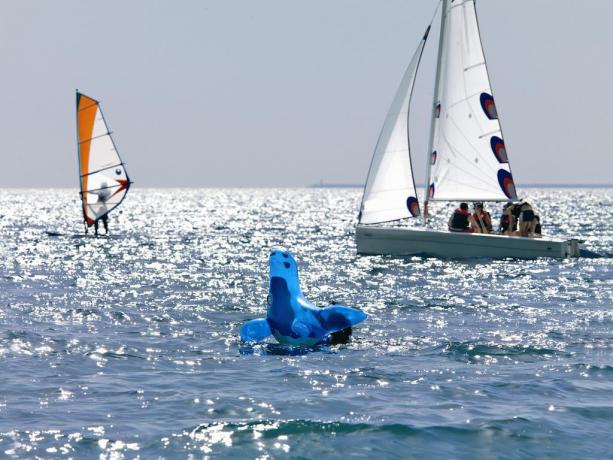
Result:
pixel 95 137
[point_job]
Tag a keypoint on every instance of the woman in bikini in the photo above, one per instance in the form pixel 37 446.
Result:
pixel 526 219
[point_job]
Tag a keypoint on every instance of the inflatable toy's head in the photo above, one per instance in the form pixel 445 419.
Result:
pixel 283 265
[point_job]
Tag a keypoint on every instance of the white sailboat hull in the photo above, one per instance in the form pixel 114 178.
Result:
pixel 406 242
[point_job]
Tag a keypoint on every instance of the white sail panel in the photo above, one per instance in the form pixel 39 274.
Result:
pixel 104 180
pixel 104 155
pixel 468 159
pixel 390 189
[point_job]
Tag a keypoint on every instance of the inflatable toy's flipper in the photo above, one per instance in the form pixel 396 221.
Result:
pixel 255 330
pixel 336 317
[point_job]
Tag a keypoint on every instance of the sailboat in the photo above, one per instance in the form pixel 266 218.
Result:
pixel 103 177
pixel 467 159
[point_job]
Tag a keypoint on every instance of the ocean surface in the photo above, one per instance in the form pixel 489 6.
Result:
pixel 127 346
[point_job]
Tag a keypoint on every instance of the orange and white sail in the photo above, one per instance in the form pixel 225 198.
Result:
pixel 103 176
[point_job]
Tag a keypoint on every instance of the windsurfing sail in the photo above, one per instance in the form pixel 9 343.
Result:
pixel 390 193
pixel 103 177
pixel 468 160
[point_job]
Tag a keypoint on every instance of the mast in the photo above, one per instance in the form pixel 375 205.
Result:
pixel 439 61
pixel 79 159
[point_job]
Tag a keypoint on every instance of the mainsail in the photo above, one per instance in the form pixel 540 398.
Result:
pixel 103 177
pixel 468 160
pixel 390 188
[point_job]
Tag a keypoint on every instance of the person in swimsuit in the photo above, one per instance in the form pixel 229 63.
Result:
pixel 482 219
pixel 461 220
pixel 537 227
pixel 506 219
pixel 510 219
pixel 526 219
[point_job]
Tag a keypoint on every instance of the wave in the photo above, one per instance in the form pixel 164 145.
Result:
pixel 472 351
pixel 274 428
pixel 304 438
pixel 593 412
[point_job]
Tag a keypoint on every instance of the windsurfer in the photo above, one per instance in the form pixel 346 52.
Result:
pixel 103 215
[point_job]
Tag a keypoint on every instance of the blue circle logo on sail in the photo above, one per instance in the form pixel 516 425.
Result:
pixel 413 206
pixel 433 157
pixel 488 106
pixel 500 152
pixel 505 179
pixel 431 191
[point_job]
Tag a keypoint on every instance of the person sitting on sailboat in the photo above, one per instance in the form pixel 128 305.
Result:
pixel 461 220
pixel 537 227
pixel 526 219
pixel 482 218
pixel 103 195
pixel 507 220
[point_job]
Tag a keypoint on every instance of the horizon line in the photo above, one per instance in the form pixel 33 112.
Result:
pixel 528 185
pixel 316 185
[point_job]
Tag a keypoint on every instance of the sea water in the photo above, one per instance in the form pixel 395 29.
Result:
pixel 128 346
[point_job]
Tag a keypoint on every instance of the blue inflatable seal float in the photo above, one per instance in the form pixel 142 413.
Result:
pixel 291 318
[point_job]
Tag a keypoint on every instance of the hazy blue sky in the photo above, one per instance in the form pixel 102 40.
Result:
pixel 288 92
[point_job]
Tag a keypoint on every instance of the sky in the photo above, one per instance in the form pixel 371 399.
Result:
pixel 287 93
